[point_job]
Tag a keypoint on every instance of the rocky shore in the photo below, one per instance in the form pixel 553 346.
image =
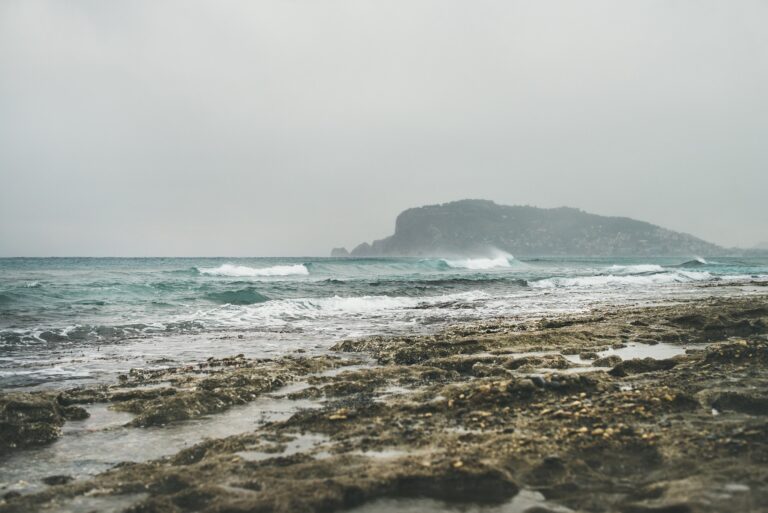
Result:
pixel 653 409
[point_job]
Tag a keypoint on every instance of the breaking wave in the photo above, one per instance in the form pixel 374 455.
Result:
pixel 242 271
pixel 296 312
pixel 696 262
pixel 478 264
pixel 621 280
pixel 324 298
pixel 248 309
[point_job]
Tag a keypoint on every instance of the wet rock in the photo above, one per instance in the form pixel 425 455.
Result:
pixel 174 408
pixel 140 394
pixel 552 361
pixel 569 383
pixel 753 351
pixel 464 364
pixel 307 393
pixel 557 323
pixel 57 480
pixel 589 355
pixel 28 420
pixel 551 470
pixel 641 365
pixel 74 413
pixel 485 370
pixel 751 402
pixel 460 484
pixel 343 388
pixel 607 361
pixel 13 494
pixel 410 351
pixel 694 320
pixel 662 508
pixel 730 322
pixel 474 423
pixel 225 382
pixel 83 396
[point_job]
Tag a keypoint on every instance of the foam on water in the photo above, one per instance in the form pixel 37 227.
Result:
pixel 101 316
pixel 301 311
pixel 242 271
pixel 613 280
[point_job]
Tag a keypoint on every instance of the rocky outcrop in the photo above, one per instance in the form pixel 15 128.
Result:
pixel 32 419
pixel 476 226
pixel 476 415
pixel 339 252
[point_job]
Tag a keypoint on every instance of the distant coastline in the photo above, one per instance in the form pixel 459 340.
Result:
pixel 481 227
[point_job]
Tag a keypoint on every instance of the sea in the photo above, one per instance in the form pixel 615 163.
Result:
pixel 75 321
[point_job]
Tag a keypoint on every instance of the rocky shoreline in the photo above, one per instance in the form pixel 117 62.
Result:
pixel 584 413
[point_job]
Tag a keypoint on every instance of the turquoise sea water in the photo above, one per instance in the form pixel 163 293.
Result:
pixel 84 319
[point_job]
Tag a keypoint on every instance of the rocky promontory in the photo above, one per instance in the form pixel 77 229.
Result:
pixel 472 227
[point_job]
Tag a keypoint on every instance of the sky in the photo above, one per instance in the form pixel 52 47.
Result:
pixel 288 127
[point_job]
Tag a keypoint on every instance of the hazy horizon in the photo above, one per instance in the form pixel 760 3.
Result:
pixel 288 128
pixel 324 254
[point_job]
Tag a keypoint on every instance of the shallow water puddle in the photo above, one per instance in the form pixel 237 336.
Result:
pixel 95 444
pixel 523 501
pixel 660 351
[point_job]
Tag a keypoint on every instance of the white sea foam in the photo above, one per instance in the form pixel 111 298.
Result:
pixel 296 311
pixel 479 263
pixel 612 280
pixel 241 271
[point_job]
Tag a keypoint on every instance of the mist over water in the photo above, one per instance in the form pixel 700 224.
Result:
pixel 64 320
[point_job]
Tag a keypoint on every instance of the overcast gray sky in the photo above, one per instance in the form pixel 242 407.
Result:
pixel 287 127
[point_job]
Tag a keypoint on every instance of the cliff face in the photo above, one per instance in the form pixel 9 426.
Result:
pixel 475 226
